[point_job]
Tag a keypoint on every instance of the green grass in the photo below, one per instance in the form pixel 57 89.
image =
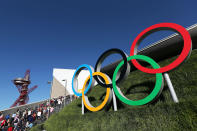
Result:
pixel 163 114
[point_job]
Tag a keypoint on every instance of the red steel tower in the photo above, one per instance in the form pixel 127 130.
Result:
pixel 22 86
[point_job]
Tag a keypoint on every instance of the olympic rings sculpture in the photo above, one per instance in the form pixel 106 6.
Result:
pixel 119 75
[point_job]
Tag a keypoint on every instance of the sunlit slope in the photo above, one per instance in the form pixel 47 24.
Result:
pixel 163 114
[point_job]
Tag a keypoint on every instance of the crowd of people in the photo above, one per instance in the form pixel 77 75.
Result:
pixel 22 120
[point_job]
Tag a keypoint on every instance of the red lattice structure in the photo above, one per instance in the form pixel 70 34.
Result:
pixel 22 86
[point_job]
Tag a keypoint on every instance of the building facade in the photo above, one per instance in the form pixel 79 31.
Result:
pixel 62 82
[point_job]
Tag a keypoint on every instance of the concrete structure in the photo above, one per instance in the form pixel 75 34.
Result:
pixel 62 82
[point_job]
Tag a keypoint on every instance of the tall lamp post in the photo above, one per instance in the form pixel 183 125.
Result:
pixel 51 83
pixel 65 91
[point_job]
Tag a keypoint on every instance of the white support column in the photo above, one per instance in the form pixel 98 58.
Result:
pixel 171 88
pixel 114 101
pixel 71 98
pixel 82 107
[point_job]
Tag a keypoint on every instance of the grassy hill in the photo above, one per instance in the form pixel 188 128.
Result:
pixel 163 114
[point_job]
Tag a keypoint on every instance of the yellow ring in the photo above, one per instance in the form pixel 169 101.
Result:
pixel 94 109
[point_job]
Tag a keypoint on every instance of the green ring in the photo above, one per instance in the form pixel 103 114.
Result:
pixel 152 95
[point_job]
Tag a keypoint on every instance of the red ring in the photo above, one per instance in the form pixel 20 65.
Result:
pixel 186 49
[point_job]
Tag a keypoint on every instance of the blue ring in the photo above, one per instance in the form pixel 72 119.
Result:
pixel 89 85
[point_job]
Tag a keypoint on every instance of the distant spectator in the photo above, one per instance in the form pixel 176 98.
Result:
pixel 16 121
pixel 51 110
pixel 13 115
pixel 30 118
pixel 10 127
pixel 7 117
pixel 24 112
pixel 29 112
pixel 55 102
pixel 48 103
pixel 39 114
pixel 1 117
pixel 59 102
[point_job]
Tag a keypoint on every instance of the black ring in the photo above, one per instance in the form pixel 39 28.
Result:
pixel 123 73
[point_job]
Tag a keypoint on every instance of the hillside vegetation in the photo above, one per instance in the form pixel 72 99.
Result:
pixel 163 114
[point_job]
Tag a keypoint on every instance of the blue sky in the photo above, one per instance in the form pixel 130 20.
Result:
pixel 44 34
